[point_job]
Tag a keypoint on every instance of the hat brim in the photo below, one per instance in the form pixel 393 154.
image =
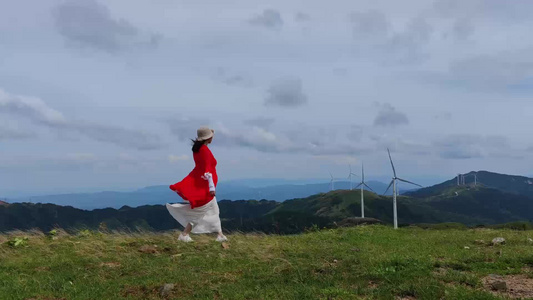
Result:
pixel 207 137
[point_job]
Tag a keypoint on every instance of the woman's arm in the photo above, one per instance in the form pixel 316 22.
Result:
pixel 209 177
pixel 207 160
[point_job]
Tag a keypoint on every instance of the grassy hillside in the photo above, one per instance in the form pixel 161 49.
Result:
pixel 369 262
pixel 466 204
pixel 480 205
pixel 513 184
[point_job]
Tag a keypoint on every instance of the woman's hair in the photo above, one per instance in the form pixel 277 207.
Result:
pixel 196 144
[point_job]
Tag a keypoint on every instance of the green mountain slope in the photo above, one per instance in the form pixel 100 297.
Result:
pixel 465 204
pixel 513 184
pixel 338 205
pixel 447 202
pixel 480 204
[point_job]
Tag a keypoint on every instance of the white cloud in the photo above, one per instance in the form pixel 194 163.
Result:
pixel 302 17
pixel 473 52
pixel 286 93
pixel 269 18
pixel 375 36
pixel 88 23
pixel 232 78
pixel 12 133
pixel 467 146
pixel 30 107
pixel 389 116
pixel 38 112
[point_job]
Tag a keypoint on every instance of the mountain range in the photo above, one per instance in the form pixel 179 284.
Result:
pixel 513 184
pixel 508 199
pixel 153 195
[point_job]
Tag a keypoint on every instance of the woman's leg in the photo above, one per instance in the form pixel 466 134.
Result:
pixel 188 229
pixel 221 237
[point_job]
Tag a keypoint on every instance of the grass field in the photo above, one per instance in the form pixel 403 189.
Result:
pixel 367 262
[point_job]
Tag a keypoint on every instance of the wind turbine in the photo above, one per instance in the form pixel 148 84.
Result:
pixel 332 182
pixel 362 185
pixel 475 177
pixel 350 177
pixel 394 190
pixel 461 179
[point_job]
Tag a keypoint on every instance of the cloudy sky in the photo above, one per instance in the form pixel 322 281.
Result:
pixel 106 94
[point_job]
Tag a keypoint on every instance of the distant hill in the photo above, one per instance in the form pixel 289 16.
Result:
pixel 467 205
pixel 482 205
pixel 24 216
pixel 497 199
pixel 513 184
pixel 154 195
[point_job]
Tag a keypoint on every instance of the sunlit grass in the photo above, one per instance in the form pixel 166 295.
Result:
pixel 371 262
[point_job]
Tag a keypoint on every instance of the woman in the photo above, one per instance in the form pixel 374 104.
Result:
pixel 201 215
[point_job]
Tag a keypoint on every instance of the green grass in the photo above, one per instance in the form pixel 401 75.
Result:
pixel 368 262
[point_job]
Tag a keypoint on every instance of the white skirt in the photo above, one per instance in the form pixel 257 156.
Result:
pixel 204 219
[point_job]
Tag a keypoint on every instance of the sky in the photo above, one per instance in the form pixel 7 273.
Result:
pixel 106 95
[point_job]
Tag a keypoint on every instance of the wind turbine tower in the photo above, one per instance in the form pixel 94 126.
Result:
pixel 395 190
pixel 475 177
pixel 332 182
pixel 350 177
pixel 362 185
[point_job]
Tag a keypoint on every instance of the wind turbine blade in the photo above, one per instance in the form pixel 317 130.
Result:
pixel 388 187
pixel 407 181
pixel 392 164
pixel 331 175
pixel 358 185
pixel 363 172
pixel 369 188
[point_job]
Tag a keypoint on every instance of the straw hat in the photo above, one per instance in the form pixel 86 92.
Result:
pixel 204 133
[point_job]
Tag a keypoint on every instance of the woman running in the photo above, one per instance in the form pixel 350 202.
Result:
pixel 201 214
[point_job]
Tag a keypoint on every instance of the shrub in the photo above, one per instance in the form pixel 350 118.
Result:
pixel 441 226
pixel 18 242
pixel 514 226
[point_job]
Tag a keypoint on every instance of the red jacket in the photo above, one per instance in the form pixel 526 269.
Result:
pixel 194 188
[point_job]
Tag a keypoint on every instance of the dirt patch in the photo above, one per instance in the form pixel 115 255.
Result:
pixel 139 291
pixel 46 298
pixel 110 264
pixel 516 286
pixel 226 276
pixel 148 249
pixel 373 285
pixel 154 292
pixel 440 271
